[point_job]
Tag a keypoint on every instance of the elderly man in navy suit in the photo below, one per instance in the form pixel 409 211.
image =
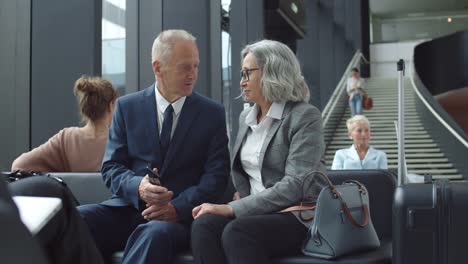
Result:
pixel 182 137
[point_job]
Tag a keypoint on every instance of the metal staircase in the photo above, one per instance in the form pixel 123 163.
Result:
pixel 422 154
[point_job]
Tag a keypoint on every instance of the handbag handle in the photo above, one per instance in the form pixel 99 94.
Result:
pixel 344 206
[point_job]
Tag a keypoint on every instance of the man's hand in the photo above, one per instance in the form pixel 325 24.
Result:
pixel 207 208
pixel 154 194
pixel 163 213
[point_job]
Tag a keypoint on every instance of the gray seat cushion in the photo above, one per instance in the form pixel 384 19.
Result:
pixel 88 188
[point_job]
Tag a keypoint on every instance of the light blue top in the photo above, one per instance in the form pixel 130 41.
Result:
pixel 348 159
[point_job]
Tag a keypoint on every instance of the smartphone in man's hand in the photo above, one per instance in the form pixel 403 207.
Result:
pixel 154 177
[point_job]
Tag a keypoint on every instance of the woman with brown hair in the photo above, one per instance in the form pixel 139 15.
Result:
pixel 77 149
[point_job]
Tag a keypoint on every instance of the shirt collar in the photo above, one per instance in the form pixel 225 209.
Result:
pixel 369 153
pixel 162 103
pixel 275 112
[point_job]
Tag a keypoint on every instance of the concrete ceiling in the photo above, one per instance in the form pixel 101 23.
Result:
pixel 403 20
pixel 388 8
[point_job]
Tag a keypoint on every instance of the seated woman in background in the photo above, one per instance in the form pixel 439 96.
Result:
pixel 360 155
pixel 77 149
pixel 279 142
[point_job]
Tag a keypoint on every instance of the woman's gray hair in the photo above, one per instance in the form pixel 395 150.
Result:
pixel 282 79
pixel 165 41
pixel 351 123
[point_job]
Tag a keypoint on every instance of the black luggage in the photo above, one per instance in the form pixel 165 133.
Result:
pixel 430 223
pixel 430 220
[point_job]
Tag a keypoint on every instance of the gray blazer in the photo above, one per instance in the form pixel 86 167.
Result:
pixel 293 147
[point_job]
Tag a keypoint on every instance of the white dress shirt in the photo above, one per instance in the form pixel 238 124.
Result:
pixel 250 150
pixel 162 104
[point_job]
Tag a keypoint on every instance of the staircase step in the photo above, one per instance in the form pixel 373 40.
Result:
pixel 394 150
pixel 394 156
pixel 414 131
pixel 383 141
pixel 430 166
pixel 382 129
pixel 433 171
pixel 378 136
pixel 417 161
pixel 449 177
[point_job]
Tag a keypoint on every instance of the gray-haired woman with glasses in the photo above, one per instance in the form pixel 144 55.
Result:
pixel 280 140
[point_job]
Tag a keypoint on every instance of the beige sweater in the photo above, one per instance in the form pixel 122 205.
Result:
pixel 72 149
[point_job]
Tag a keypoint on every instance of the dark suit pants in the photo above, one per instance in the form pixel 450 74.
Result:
pixel 117 228
pixel 65 238
pixel 250 239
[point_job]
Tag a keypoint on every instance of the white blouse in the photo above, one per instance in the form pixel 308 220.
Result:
pixel 252 146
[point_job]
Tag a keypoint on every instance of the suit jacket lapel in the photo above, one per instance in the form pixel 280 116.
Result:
pixel 272 131
pixel 152 133
pixel 241 134
pixel 187 116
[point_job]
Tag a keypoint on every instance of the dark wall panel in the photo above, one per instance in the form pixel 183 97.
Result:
pixel 65 44
pixel 246 24
pixel 148 25
pixel 333 34
pixel 339 40
pixel 14 76
pixel 364 34
pixel 349 26
pixel 193 17
pixel 326 42
pixel 148 18
pixel 308 52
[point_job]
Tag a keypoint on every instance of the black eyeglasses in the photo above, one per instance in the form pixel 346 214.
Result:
pixel 245 74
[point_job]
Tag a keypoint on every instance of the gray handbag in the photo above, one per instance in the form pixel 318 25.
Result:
pixel 342 222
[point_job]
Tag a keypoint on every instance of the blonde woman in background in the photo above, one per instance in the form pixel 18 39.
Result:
pixel 77 149
pixel 360 155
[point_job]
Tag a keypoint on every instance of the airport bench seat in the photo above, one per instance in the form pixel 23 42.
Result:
pixel 89 188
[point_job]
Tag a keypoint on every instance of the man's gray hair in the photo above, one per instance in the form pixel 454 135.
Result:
pixel 165 41
pixel 282 79
pixel 351 123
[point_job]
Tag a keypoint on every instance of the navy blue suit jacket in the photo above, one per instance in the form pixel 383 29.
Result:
pixel 197 161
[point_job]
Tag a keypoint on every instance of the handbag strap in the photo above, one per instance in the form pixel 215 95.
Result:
pixel 348 214
pixel 299 208
pixel 344 206
pixel 303 206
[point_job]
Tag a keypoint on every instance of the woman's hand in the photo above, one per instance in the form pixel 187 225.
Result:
pixel 207 208
pixel 162 213
pixel 236 196
pixel 361 90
